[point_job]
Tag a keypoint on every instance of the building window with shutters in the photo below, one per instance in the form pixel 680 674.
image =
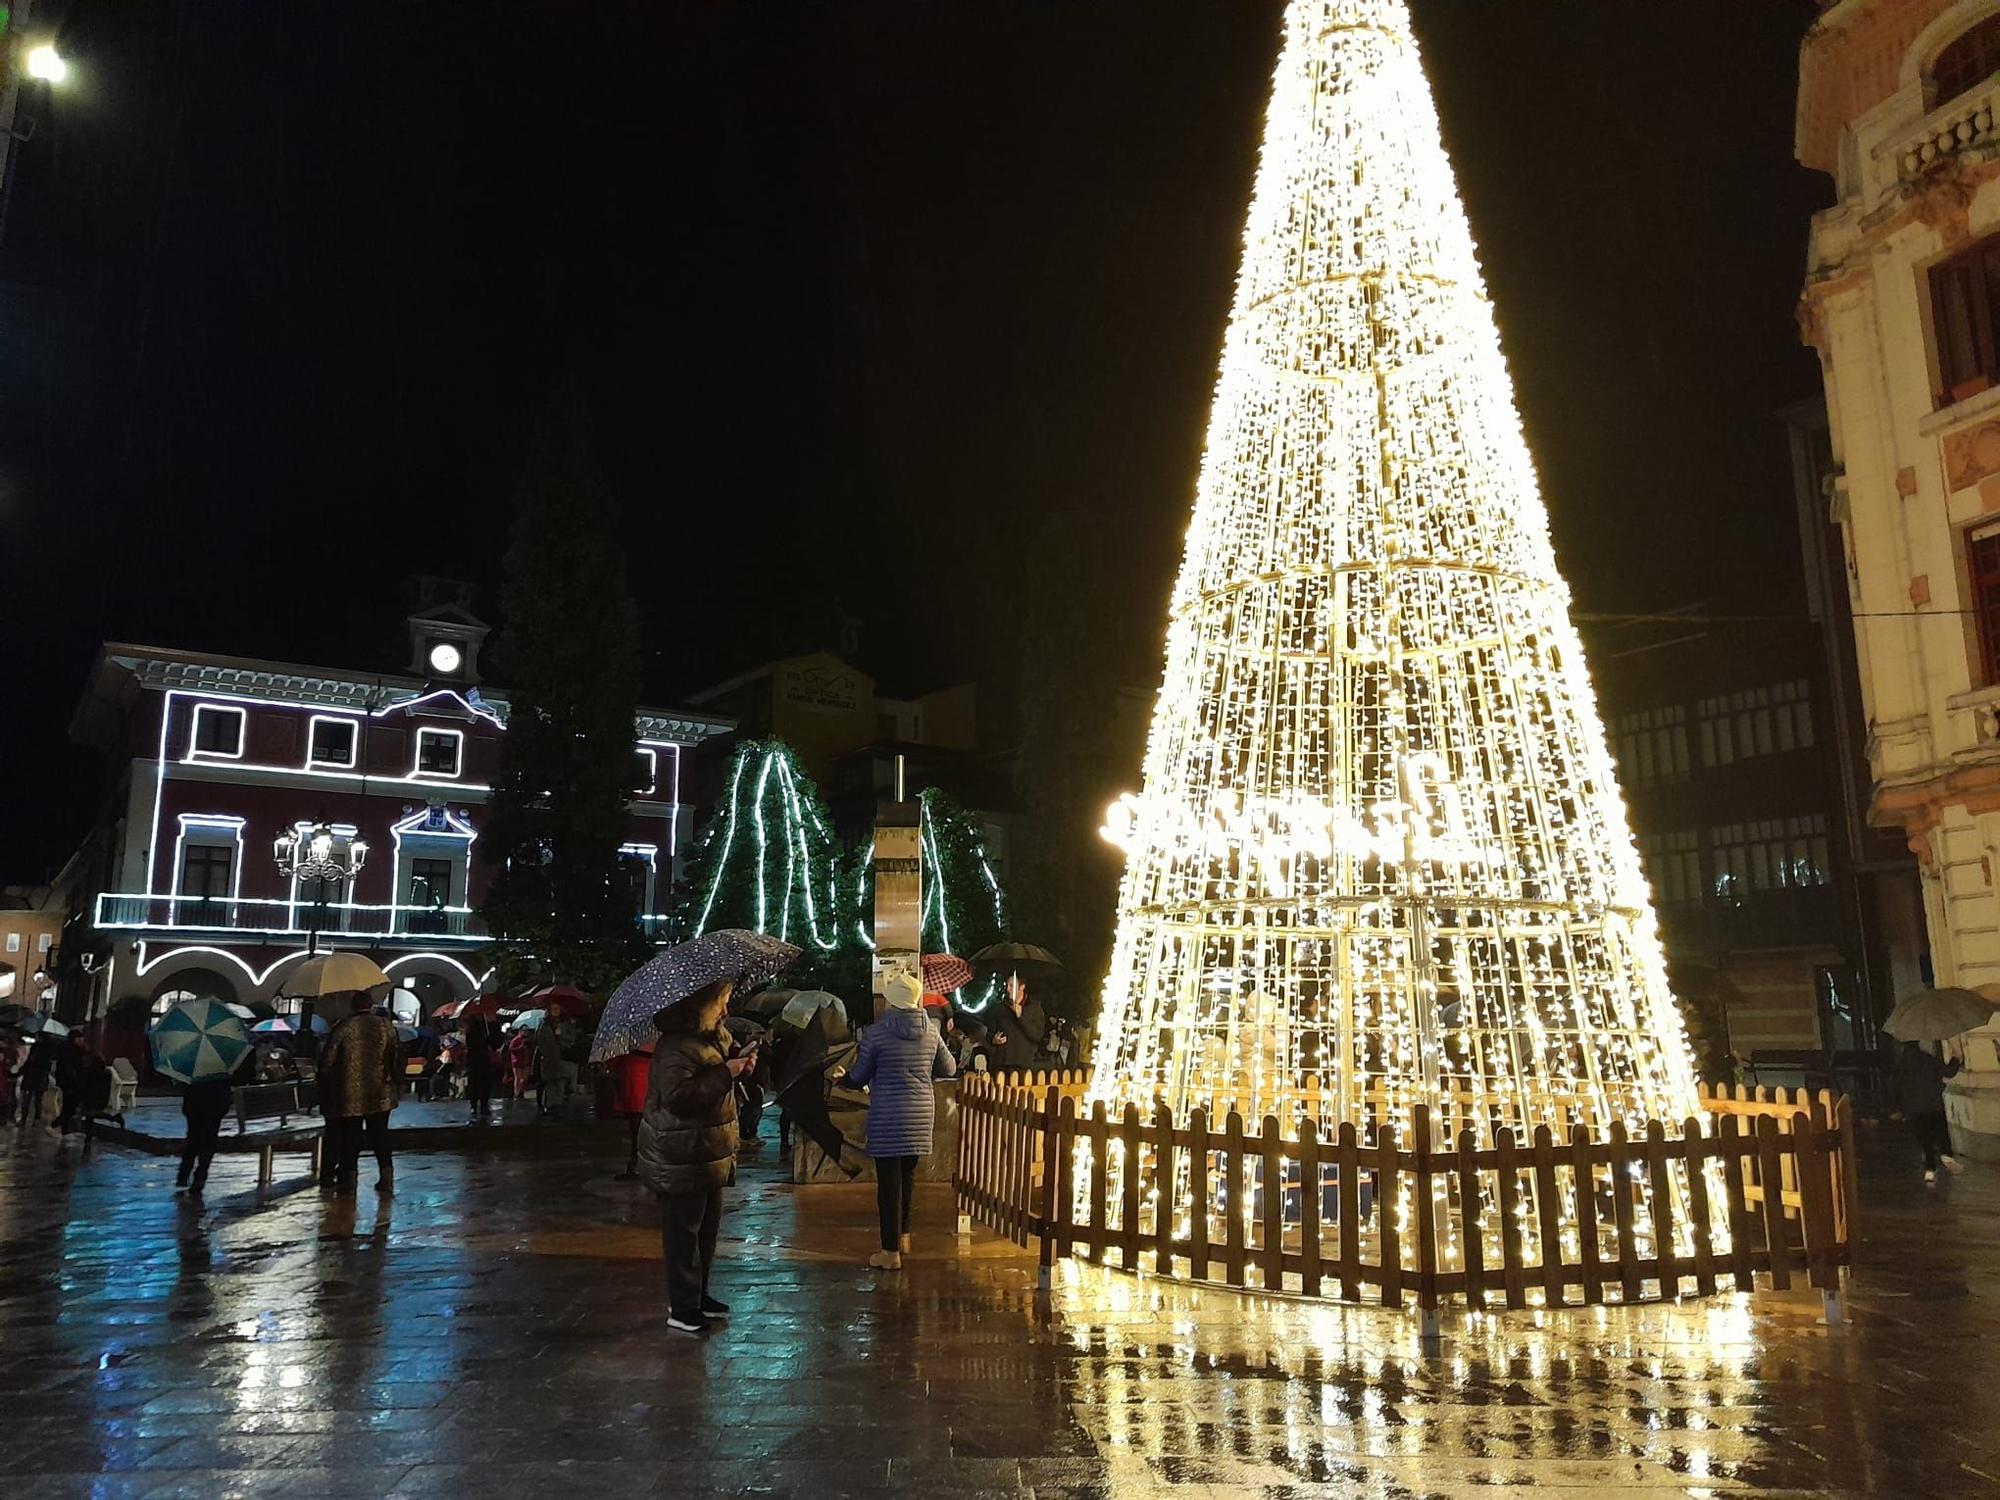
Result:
pixel 1982 562
pixel 1965 321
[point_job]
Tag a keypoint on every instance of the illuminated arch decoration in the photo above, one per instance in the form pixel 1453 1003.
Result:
pixel 1380 859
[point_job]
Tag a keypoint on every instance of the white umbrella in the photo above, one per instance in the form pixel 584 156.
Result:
pixel 335 974
pixel 528 1020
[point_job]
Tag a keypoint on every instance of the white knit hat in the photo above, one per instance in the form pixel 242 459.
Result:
pixel 902 992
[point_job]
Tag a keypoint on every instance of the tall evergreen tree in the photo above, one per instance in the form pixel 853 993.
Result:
pixel 570 658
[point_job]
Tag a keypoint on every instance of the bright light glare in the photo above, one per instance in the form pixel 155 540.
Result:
pixel 47 64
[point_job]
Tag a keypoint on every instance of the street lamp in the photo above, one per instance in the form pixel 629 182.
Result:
pixel 324 856
pixel 327 857
pixel 47 64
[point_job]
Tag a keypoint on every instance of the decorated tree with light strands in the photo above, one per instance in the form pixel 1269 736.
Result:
pixel 1379 861
pixel 768 860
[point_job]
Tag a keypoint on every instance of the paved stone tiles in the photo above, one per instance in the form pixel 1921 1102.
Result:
pixel 496 1328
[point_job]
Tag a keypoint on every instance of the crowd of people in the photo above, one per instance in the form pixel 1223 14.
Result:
pixel 683 1100
pixel 55 1082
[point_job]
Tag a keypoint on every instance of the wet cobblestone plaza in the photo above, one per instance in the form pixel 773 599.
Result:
pixel 496 1328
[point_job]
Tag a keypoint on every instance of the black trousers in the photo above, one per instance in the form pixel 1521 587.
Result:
pixel 1933 1137
pixel 348 1143
pixel 479 1088
pixel 198 1151
pixel 31 1102
pixel 688 1225
pixel 895 1195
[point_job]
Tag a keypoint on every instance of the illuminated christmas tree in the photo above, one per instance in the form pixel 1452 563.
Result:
pixel 767 860
pixel 1380 859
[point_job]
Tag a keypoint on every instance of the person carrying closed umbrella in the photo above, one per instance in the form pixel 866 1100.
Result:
pixel 899 1057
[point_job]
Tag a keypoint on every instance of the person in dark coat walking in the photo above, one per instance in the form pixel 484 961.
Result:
pixel 35 1078
pixel 898 1058
pixel 687 1145
pixel 1920 1076
pixel 204 1106
pixel 478 1067
pixel 68 1072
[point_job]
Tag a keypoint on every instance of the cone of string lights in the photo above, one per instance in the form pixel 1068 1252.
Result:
pixel 1380 859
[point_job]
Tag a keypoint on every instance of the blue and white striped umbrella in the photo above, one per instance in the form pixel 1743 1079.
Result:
pixel 198 1040
pixel 749 958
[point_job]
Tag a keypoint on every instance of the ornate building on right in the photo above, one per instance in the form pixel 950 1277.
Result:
pixel 1898 102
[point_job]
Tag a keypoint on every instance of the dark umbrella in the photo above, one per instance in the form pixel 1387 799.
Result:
pixel 1036 965
pixel 764 1005
pixel 800 1074
pixel 727 953
pixel 1936 1015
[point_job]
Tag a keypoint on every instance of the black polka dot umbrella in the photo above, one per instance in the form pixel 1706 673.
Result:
pixel 749 958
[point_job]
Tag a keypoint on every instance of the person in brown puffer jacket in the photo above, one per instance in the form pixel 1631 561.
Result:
pixel 687 1145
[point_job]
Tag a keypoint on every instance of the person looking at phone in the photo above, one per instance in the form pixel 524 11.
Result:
pixel 687 1145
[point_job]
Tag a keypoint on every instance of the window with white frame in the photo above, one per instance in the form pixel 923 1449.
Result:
pixel 13 942
pixel 646 772
pixel 218 731
pixel 207 865
pixel 332 744
pixel 439 751
pixel 640 863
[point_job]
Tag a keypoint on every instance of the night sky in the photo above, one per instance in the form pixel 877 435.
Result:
pixel 859 295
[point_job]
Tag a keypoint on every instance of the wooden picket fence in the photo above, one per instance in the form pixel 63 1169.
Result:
pixel 1628 1219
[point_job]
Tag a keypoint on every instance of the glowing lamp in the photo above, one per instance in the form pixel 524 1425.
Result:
pixel 46 64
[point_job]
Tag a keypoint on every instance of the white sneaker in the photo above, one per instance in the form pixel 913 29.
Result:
pixel 1952 1164
pixel 1930 1176
pixel 886 1260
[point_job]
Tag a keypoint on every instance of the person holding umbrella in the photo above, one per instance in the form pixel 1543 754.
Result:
pixel 899 1057
pixel 687 1131
pixel 1019 1030
pixel 1932 1015
pixel 204 1046
pixel 686 1149
pixel 204 1106
pixel 360 1075
pixel 1920 1079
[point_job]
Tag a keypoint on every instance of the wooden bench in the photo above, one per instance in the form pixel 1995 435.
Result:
pixel 279 1101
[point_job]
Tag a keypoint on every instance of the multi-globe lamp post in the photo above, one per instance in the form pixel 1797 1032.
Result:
pixel 320 859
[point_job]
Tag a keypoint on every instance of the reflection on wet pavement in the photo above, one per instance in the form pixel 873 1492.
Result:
pixel 496 1328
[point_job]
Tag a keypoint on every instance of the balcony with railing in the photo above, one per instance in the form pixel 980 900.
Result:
pixel 248 917
pixel 257 918
pixel 1961 126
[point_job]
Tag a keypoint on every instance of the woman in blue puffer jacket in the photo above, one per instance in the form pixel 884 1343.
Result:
pixel 899 1056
